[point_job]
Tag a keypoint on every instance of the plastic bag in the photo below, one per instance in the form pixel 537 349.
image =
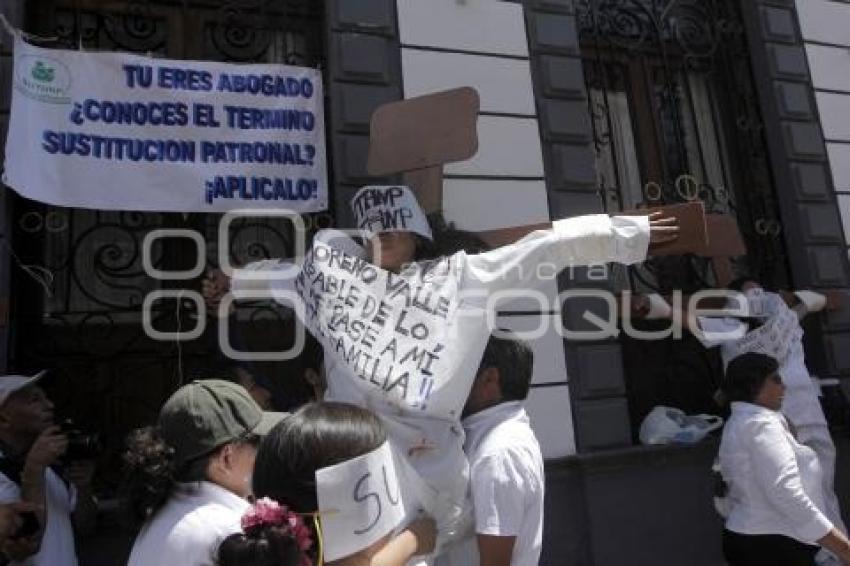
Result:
pixel 668 425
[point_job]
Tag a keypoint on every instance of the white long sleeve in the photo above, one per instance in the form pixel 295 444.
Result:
pixel 244 280
pixel 583 240
pixel 278 275
pixel 775 468
pixel 775 483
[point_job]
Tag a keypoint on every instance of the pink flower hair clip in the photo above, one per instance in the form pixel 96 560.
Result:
pixel 269 513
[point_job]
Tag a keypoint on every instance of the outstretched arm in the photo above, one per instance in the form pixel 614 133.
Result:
pixel 580 241
pixel 709 330
pixel 267 278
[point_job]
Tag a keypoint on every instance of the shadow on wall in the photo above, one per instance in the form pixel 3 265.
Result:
pixel 641 506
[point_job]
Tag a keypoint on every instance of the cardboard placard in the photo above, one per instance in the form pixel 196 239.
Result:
pixel 427 184
pixel 424 131
pixel 693 230
pixel 724 237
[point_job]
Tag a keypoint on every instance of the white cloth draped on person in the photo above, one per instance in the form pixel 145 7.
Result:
pixel 407 345
pixel 779 336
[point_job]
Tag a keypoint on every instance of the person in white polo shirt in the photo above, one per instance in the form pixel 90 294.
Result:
pixel 189 477
pixel 506 467
pixel 31 447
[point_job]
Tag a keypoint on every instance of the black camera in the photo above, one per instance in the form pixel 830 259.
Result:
pixel 81 445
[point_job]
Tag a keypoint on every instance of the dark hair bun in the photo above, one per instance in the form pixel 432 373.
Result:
pixel 150 472
pixel 265 546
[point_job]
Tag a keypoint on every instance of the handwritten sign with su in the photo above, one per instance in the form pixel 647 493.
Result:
pixel 360 502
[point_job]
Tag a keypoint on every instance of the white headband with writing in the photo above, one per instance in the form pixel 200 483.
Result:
pixel 389 208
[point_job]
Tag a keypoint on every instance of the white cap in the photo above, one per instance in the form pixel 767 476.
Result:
pixel 389 208
pixel 11 383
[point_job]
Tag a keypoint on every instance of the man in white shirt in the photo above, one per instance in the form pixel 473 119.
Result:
pixel 30 448
pixel 506 467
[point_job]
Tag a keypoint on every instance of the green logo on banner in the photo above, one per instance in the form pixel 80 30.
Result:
pixel 43 78
pixel 42 72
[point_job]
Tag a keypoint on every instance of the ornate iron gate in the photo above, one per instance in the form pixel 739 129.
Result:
pixel 676 118
pixel 81 313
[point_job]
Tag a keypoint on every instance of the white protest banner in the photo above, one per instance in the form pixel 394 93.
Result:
pixel 360 502
pixel 118 131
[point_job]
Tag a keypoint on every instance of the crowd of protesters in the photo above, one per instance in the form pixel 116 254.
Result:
pixel 222 479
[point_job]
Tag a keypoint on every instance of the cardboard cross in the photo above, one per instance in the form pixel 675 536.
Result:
pixel 418 136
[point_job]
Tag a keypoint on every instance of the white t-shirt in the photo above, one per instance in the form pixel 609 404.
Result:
pixel 775 483
pixel 507 484
pixel 57 543
pixel 189 528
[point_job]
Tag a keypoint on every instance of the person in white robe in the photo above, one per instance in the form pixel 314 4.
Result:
pixel 404 339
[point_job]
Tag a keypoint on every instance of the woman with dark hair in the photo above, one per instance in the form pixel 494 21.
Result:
pixel 278 530
pixel 403 334
pixel 757 320
pixel 775 486
pixel 188 477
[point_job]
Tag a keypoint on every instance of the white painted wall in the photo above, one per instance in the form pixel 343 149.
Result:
pixel 479 26
pixel 503 84
pixel 825 25
pixel 483 44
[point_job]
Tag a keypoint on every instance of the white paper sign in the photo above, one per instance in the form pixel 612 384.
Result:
pixel 389 208
pixel 360 502
pixel 118 131
pixel 776 337
pixel 404 341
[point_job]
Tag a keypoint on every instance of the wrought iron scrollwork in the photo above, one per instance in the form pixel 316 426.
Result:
pixel 675 76
pixel 91 316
